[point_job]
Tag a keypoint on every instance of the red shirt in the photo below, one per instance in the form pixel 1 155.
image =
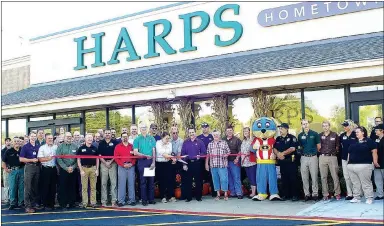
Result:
pixel 122 150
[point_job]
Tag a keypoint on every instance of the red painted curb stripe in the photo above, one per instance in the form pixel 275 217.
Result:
pixel 249 215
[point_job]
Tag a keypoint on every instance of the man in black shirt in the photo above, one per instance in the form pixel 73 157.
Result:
pixel 15 170
pixel 108 167
pixel 89 169
pixel 8 145
pixel 378 121
pixel 379 171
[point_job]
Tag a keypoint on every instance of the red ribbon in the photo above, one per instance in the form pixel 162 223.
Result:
pixel 126 157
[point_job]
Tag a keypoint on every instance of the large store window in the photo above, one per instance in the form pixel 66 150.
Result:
pixel 368 113
pixel 144 115
pixel 367 87
pixel 321 105
pixel 203 113
pixel 287 109
pixel 95 120
pixel 17 127
pixel 2 131
pixel 120 118
pixel 240 112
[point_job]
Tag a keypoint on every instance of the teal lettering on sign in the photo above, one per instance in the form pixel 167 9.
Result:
pixel 194 23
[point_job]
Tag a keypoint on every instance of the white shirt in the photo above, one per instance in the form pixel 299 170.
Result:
pixel 162 149
pixel 46 151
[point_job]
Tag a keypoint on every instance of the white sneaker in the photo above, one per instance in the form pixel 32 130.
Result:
pixel 355 200
pixel 164 200
pixel 173 199
pixel 369 201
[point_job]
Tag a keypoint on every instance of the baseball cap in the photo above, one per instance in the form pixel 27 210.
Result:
pixel 204 125
pixel 345 123
pixel 380 126
pixel 284 125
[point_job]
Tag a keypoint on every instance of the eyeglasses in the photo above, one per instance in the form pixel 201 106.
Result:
pixel 377 121
pixel 174 133
pixel 154 128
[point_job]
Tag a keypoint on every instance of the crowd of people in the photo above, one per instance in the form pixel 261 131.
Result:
pixel 40 167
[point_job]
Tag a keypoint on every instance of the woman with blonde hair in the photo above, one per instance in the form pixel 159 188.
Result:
pixel 248 164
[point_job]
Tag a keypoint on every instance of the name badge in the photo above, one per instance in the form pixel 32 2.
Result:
pixel 288 139
pixel 73 151
pixel 34 153
pixel 110 144
pixel 17 155
pixel 344 137
pixel 377 140
pixel 332 138
pixel 93 151
pixel 83 150
pixel 323 137
pixel 303 137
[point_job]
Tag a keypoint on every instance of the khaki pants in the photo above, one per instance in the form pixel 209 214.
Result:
pixel 89 174
pixel 379 178
pixel 110 173
pixel 347 179
pixel 325 163
pixel 5 196
pixel 361 177
pixel 310 165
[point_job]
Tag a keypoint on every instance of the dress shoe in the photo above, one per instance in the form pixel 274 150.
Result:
pixel 295 199
pixel 199 200
pixel 348 198
pixel 144 203
pixel 379 198
pixel 132 204
pixel 239 197
pixel 188 200
pixel 120 204
pixel 152 202
pixel 307 198
pixel 315 198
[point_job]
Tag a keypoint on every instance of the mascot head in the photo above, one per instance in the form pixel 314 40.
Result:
pixel 264 127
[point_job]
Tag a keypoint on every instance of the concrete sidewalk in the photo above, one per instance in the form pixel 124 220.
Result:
pixel 334 209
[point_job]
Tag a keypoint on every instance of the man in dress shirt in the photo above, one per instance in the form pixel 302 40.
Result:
pixel 192 148
pixel 48 172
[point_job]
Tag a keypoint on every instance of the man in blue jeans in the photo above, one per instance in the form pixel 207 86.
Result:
pixel 234 167
pixel 144 146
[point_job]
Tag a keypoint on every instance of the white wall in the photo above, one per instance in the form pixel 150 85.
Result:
pixel 54 58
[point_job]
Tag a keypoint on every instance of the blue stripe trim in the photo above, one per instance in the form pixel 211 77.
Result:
pixel 110 20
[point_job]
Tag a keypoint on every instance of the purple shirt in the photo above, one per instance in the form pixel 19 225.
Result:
pixel 193 148
pixel 206 139
pixel 29 151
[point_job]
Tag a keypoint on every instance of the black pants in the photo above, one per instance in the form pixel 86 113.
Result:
pixel 67 189
pixel 289 178
pixel 166 179
pixel 49 180
pixel 193 172
pixel 31 185
pixel 207 177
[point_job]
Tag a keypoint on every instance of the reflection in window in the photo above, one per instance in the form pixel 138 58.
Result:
pixel 287 109
pixel 69 115
pixel 120 118
pixel 17 127
pixel 144 115
pixel 2 131
pixel 367 87
pixel 367 115
pixel 203 113
pixel 240 112
pixel 41 118
pixel 95 120
pixel 325 105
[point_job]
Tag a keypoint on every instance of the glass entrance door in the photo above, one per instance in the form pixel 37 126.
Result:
pixel 365 112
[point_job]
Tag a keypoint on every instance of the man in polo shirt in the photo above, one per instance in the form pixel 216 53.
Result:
pixel 234 168
pixel 40 137
pixel 379 171
pixel 15 169
pixel 154 131
pixel 126 171
pixel 144 146
pixel 89 169
pixel 378 121
pixel 192 149
pixel 48 172
pixel 328 160
pixel 346 139
pixel 206 137
pixel 28 155
pixel 309 140
pixel 285 150
pixel 8 145
pixel 67 172
pixel 108 168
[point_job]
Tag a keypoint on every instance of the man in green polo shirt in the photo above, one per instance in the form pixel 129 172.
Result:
pixel 144 145
pixel 68 172
pixel 309 142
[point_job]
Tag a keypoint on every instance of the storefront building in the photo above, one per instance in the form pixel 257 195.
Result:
pixel 324 60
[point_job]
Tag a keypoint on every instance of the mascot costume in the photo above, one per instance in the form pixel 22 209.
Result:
pixel 264 130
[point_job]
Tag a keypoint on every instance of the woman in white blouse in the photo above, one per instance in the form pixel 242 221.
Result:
pixel 249 165
pixel 164 161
